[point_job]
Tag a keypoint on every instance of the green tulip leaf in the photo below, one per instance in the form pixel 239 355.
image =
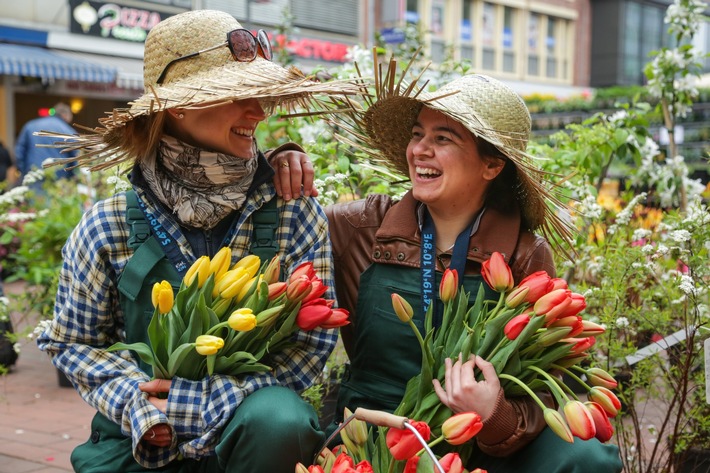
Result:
pixel 178 356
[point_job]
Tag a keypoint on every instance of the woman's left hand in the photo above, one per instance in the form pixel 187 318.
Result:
pixel 155 388
pixel 293 170
pixel 463 393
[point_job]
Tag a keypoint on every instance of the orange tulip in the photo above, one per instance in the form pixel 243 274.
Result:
pixel 451 463
pixel 402 308
pixel 449 285
pixel 276 289
pixel 298 288
pixel 538 283
pixel 579 419
pixel 605 398
pixel 590 328
pixel 599 377
pixel 557 424
pixel 497 274
pixel 551 304
pixel 461 428
pixel 516 325
pixel 338 318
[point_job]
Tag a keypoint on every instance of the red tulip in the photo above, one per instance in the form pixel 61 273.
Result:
pixel 579 419
pixel 538 283
pixel 338 318
pixel 558 283
pixel 605 398
pixel 315 469
pixel 552 304
pixel 590 328
pixel 461 428
pixel 516 325
pixel 574 322
pixel 403 444
pixel 449 285
pixel 451 462
pixel 298 288
pixel 343 464
pixel 497 274
pixel 411 465
pixel 312 315
pixel 479 470
pixel 276 289
pixel 303 269
pixel 580 345
pixel 604 430
pixel 599 377
pixel 317 290
pixel 364 467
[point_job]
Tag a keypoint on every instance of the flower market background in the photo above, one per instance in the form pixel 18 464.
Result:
pixel 641 252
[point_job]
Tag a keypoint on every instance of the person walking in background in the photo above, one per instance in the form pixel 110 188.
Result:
pixel 6 163
pixel 30 156
pixel 199 183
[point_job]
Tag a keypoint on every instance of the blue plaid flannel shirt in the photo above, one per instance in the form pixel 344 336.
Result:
pixel 88 319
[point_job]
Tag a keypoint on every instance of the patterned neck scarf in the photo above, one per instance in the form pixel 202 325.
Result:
pixel 200 187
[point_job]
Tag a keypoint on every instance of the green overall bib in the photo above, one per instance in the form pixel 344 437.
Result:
pixel 387 355
pixel 247 441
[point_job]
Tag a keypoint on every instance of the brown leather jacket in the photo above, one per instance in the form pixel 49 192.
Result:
pixel 377 229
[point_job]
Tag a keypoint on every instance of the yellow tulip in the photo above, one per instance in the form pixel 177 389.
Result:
pixel 220 263
pixel 402 308
pixel 208 344
pixel 247 286
pixel 201 269
pixel 251 263
pixel 231 283
pixel 242 320
pixel 162 296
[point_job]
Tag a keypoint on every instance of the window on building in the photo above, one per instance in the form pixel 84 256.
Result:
pixel 508 39
pixel 488 36
pixel 534 44
pixel 466 31
pixel 412 13
pixel 551 46
pixel 643 33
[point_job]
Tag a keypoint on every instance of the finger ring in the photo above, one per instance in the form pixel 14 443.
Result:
pixel 152 434
pixel 284 164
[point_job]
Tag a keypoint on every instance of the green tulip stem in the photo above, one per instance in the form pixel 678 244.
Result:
pixel 419 339
pixel 525 387
pixel 571 375
pixel 214 329
pixel 552 380
pixel 501 343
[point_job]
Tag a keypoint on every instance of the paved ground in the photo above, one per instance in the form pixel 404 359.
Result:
pixel 40 422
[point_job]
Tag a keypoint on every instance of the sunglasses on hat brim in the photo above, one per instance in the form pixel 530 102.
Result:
pixel 242 43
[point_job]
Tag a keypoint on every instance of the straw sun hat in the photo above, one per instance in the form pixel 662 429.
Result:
pixel 486 107
pixel 208 79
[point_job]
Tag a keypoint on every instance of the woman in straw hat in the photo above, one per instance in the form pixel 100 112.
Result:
pixel 474 191
pixel 198 179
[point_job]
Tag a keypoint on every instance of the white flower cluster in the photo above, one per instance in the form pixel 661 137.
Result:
pixel 4 309
pixel 14 196
pixel 36 175
pixel 15 217
pixel 685 16
pixel 119 184
pixel 624 217
pixel 326 193
pixel 317 131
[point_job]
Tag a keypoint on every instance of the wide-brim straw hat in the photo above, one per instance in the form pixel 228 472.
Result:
pixel 487 107
pixel 207 79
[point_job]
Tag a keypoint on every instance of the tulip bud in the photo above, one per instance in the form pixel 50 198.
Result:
pixel 221 261
pixel 604 430
pixel 315 469
pixel 558 283
pixel 605 398
pixel 231 283
pixel 449 285
pixel 402 308
pixel 591 328
pixel 496 273
pixel 273 271
pixel 343 463
pixel 579 419
pixel 221 306
pixel 451 462
pixel 276 289
pixel 553 335
pixel 599 377
pixel 461 428
pixel 208 344
pixel 581 345
pixel 298 288
pixel 516 325
pixel 248 286
pixel 412 464
pixel 242 320
pixel 574 322
pixel 558 425
pixel 317 290
pixel 325 459
pixel 199 269
pixel 356 429
pixel 551 301
pixel 479 470
pixel 250 263
pixel 163 297
pixel 516 297
pixel 301 468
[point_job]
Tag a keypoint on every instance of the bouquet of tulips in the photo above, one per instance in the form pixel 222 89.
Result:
pixel 405 446
pixel 532 335
pixel 226 318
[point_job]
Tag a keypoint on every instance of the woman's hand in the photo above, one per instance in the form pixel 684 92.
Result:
pixel 160 435
pixel 293 170
pixel 463 393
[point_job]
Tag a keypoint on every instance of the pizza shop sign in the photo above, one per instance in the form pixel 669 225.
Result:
pixel 109 20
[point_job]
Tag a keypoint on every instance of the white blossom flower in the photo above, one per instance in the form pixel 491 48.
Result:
pixel 621 322
pixel 680 236
pixel 687 285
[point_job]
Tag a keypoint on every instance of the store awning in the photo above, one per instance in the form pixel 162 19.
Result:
pixel 30 61
pixel 129 70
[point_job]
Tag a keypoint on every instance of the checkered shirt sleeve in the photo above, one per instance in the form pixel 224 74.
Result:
pixel 88 319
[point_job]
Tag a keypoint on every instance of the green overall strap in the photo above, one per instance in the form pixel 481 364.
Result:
pixel 266 223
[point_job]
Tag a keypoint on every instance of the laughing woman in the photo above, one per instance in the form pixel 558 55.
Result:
pixel 474 191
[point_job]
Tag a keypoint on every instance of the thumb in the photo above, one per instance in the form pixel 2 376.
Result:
pixel 155 386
